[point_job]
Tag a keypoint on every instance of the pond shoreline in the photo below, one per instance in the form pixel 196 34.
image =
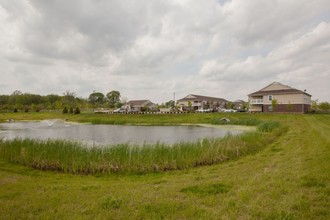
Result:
pixel 108 134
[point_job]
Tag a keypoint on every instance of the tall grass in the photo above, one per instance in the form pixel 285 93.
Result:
pixel 73 157
pixel 268 126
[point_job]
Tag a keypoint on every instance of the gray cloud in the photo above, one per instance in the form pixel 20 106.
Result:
pixel 150 49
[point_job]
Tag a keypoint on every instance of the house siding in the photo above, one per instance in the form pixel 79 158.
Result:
pixel 288 98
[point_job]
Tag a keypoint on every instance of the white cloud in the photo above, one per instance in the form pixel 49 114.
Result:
pixel 300 62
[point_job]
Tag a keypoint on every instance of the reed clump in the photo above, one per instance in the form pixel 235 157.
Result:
pixel 74 157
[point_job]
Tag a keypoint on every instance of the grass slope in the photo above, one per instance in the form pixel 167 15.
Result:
pixel 290 179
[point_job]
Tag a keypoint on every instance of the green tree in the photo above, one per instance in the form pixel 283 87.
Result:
pixel 113 98
pixel 14 100
pixel 170 104
pixel 68 98
pixel 189 105
pixel 77 111
pixel 244 106
pixel 314 105
pixel 289 106
pixel 96 99
pixel 274 104
pixel 230 105
pixel 324 106
pixel 65 110
pixel 4 101
pixel 51 101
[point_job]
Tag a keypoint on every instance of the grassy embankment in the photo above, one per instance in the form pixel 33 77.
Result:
pixel 289 179
pixel 71 157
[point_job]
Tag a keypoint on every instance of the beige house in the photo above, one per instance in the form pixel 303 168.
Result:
pixel 239 105
pixel 201 102
pixel 139 105
pixel 277 97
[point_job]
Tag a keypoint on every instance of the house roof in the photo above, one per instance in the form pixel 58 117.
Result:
pixel 281 89
pixel 239 101
pixel 192 97
pixel 138 102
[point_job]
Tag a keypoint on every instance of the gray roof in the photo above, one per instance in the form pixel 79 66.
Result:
pixel 139 102
pixel 200 97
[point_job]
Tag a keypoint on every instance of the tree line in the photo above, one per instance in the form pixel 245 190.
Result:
pixel 67 102
pixel 320 106
pixel 18 101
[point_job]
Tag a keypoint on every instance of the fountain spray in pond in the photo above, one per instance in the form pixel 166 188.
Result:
pixel 52 122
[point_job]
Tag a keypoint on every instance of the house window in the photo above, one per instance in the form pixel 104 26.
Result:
pixel 270 97
pixel 270 108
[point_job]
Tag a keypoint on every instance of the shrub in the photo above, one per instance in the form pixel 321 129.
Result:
pixel 77 111
pixel 65 110
pixel 71 110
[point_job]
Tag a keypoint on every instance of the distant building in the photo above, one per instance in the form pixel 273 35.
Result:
pixel 239 104
pixel 201 102
pixel 102 110
pixel 139 105
pixel 284 99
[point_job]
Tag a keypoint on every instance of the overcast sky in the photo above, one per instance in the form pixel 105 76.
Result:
pixel 150 49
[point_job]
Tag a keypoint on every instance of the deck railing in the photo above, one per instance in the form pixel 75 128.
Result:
pixel 256 101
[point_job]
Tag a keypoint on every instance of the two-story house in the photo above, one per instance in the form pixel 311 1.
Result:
pixel 201 102
pixel 277 97
pixel 139 105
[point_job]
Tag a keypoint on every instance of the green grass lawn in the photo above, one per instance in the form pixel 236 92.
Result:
pixel 289 179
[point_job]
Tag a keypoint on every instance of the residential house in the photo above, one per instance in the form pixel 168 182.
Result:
pixel 139 105
pixel 240 105
pixel 194 102
pixel 277 97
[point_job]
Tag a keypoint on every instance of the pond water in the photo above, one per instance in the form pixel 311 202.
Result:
pixel 109 134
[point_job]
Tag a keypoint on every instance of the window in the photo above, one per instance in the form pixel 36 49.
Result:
pixel 270 108
pixel 270 97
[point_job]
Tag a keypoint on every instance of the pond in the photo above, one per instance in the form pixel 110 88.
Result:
pixel 94 135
